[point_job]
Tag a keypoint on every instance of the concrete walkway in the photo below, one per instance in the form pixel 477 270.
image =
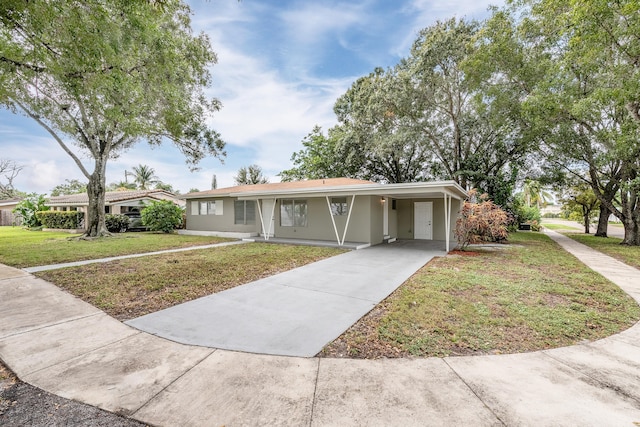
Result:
pixel 571 226
pixel 298 312
pixel 65 346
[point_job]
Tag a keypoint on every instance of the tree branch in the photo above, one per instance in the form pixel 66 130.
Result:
pixel 54 135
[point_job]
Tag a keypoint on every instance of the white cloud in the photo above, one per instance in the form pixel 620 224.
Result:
pixel 266 79
pixel 424 13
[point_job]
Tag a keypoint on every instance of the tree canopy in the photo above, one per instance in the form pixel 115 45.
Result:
pixel 577 66
pixel 71 186
pixel 323 156
pixel 430 116
pixel 248 175
pixel 102 75
pixel 541 86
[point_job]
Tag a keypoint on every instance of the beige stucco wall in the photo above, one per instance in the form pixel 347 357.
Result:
pixel 405 217
pixel 223 222
pixel 376 226
pixel 393 219
pixel 320 227
pixel 366 225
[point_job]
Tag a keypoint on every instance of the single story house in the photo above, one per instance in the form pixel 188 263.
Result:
pixel 337 209
pixel 115 202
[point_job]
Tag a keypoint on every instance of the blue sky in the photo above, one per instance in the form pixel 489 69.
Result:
pixel 281 66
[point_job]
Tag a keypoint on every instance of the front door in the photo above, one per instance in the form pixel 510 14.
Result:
pixel 268 220
pixel 422 219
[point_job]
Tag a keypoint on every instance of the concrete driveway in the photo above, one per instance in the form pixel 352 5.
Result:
pixel 65 346
pixel 295 313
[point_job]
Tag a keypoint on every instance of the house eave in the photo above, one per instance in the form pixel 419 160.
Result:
pixel 402 190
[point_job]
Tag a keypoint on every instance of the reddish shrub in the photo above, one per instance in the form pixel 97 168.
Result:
pixel 481 221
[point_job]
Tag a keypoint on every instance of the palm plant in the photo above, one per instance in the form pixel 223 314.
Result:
pixel 144 176
pixel 534 194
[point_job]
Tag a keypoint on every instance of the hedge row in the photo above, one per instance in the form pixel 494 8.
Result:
pixel 61 219
pixel 116 223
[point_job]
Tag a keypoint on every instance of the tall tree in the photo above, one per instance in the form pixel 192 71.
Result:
pixel 9 170
pixel 71 186
pixel 584 102
pixel 431 116
pixel 580 197
pixel 144 176
pixel 120 186
pixel 101 75
pixel 166 187
pixel 249 175
pixel 324 156
pixel 534 194
pixel 374 119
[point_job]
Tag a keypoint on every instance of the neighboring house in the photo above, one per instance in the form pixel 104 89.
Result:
pixel 551 209
pixel 7 217
pixel 115 202
pixel 337 209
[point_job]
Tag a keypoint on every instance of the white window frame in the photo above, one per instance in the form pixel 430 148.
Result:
pixel 208 207
pixel 245 220
pixel 297 219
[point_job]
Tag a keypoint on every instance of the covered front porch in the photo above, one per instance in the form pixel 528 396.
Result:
pixel 430 245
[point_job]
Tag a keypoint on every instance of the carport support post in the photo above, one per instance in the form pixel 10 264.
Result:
pixel 346 226
pixel 273 212
pixel 266 232
pixel 333 221
pixel 266 236
pixel 447 219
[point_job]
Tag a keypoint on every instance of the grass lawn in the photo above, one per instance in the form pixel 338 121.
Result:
pixel 560 227
pixel 611 246
pixel 23 248
pixel 528 296
pixel 129 288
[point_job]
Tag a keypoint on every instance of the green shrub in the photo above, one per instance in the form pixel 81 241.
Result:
pixel 67 220
pixel 27 208
pixel 163 216
pixel 116 223
pixel 522 214
pixel 535 225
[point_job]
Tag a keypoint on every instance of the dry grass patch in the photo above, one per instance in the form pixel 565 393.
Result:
pixel 131 288
pixel 532 296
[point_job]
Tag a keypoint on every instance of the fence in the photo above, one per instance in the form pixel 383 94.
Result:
pixel 9 218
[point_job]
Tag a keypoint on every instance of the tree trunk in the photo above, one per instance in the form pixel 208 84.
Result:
pixel 603 221
pixel 95 226
pixel 631 234
pixel 585 216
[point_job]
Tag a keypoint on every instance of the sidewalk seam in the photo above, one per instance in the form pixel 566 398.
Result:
pixel 49 325
pixel 315 391
pixel 600 383
pixel 133 413
pixel 78 356
pixel 474 392
pixel 40 268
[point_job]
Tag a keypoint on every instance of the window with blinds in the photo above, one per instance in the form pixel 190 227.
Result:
pixel 244 212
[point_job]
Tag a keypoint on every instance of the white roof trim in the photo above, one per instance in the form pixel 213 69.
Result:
pixel 417 189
